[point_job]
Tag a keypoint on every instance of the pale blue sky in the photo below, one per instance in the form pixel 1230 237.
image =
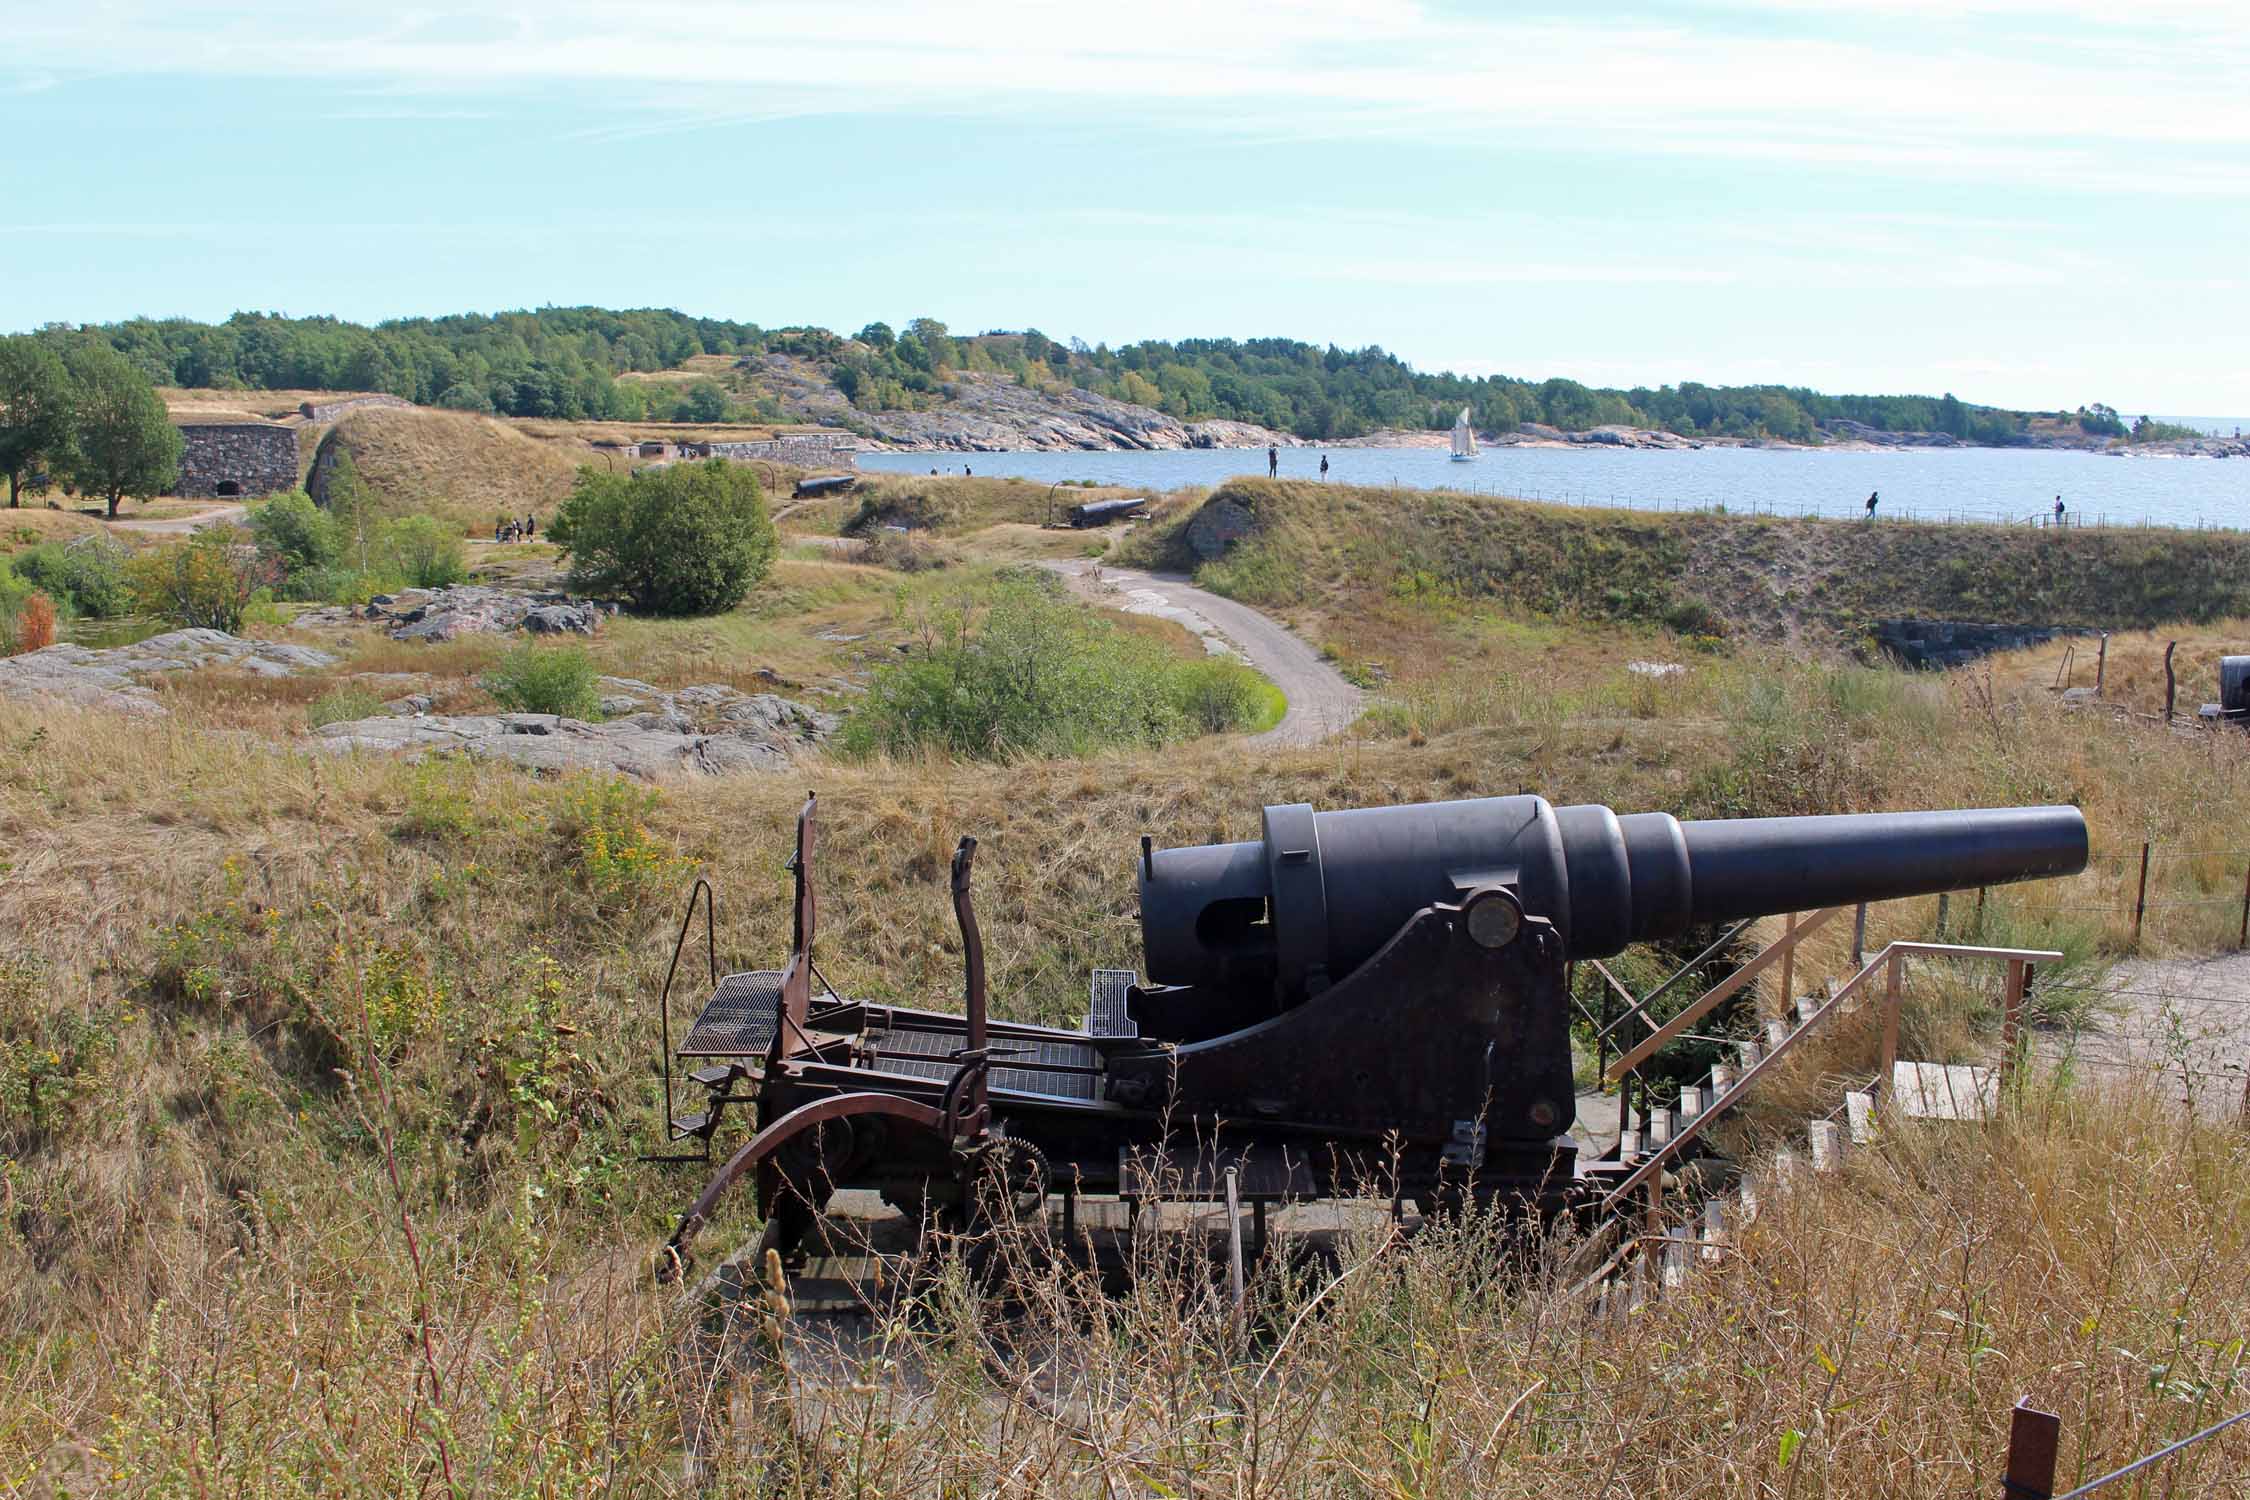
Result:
pixel 2027 203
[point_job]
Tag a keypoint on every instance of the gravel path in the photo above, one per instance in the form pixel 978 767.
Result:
pixel 2186 1020
pixel 222 515
pixel 1321 702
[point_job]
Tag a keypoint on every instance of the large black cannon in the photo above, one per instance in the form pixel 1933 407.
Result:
pixel 1363 993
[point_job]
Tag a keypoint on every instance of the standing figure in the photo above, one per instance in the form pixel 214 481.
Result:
pixel 1273 461
pixel 1872 497
pixel 2058 510
pixel 1324 468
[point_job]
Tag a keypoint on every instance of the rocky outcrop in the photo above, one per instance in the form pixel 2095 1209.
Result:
pixel 709 730
pixel 112 677
pixel 467 609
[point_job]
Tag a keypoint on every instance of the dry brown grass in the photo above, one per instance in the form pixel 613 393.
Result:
pixel 211 405
pixel 203 1283
pixel 465 468
pixel 32 523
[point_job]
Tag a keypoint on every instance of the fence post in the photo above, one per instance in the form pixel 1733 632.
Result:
pixel 1883 1089
pixel 2169 684
pixel 1789 959
pixel 2140 901
pixel 1943 900
pixel 2011 1018
pixel 2101 665
pixel 2244 940
pixel 1859 937
pixel 2033 1437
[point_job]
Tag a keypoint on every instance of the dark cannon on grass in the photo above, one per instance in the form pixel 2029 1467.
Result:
pixel 1360 994
pixel 1102 512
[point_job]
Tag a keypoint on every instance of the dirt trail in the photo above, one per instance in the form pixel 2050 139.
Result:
pixel 220 515
pixel 1321 702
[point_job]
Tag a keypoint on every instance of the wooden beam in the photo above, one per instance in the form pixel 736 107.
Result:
pixel 1702 1007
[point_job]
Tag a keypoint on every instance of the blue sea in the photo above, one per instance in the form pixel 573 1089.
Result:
pixel 1930 484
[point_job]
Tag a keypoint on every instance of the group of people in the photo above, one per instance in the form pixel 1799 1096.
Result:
pixel 1273 463
pixel 510 530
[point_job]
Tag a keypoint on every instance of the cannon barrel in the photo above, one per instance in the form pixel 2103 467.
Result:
pixel 1318 893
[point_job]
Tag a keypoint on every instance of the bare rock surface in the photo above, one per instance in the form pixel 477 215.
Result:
pixel 707 730
pixel 112 677
pixel 466 609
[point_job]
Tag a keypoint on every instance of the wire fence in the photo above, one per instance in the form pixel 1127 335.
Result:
pixel 2035 1440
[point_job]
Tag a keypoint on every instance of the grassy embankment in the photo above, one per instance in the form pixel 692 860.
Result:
pixel 245 983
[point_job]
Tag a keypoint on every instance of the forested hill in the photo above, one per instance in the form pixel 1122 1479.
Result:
pixel 564 362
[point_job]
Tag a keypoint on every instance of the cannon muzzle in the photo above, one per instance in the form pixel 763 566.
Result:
pixel 1318 893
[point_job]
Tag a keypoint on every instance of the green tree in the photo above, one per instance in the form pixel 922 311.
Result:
pixel 690 539
pixel 878 336
pixel 35 411
pixel 706 402
pixel 295 533
pixel 123 442
pixel 427 552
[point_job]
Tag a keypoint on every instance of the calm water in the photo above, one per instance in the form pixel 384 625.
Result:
pixel 1933 484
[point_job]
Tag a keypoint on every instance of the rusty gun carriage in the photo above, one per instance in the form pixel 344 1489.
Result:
pixel 1359 990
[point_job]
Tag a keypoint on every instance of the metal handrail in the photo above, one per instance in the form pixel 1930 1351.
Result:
pixel 1892 957
pixel 702 887
pixel 1655 1041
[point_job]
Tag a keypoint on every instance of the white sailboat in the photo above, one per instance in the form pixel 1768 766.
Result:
pixel 1464 438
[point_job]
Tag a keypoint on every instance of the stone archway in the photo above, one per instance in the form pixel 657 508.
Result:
pixel 227 489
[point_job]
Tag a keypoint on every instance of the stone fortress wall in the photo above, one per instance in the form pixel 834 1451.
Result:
pixel 329 411
pixel 226 459
pixel 805 450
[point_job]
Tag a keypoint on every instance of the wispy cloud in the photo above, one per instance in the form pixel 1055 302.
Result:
pixel 1903 87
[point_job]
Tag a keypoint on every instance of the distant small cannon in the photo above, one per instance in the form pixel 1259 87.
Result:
pixel 1102 512
pixel 2233 706
pixel 826 484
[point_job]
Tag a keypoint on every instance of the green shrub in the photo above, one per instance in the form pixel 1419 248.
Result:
pixel 295 534
pixel 1222 695
pixel 85 576
pixel 546 680
pixel 343 585
pixel 1014 668
pixel 603 822
pixel 688 540
pixel 425 552
pixel 341 704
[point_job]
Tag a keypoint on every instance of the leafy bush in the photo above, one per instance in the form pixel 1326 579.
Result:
pixel 343 585
pixel 296 535
pixel 207 581
pixel 1014 668
pixel 687 540
pixel 426 552
pixel 1222 694
pixel 341 704
pixel 85 577
pixel 603 821
pixel 546 680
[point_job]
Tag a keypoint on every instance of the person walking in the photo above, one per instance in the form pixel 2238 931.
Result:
pixel 1324 468
pixel 1872 497
pixel 1273 461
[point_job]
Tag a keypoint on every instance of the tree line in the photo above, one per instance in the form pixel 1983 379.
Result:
pixel 565 362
